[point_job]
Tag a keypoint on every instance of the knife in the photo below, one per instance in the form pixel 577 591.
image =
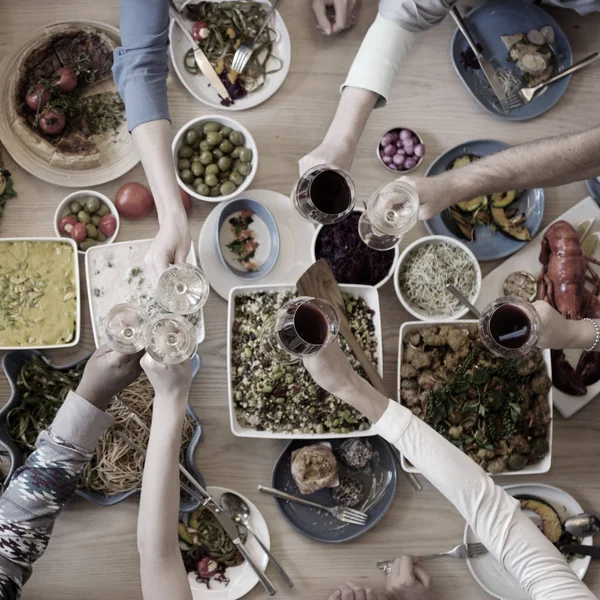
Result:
pixel 488 70
pixel 201 60
pixel 593 551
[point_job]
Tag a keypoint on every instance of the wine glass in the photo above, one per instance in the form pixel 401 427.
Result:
pixel 182 289
pixel 171 339
pixel 324 195
pixel 509 327
pixel 391 212
pixel 301 327
pixel 126 328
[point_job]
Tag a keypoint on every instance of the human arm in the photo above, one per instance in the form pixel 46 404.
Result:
pixel 140 70
pixel 559 333
pixel 547 162
pixel 161 566
pixel 493 515
pixel 40 489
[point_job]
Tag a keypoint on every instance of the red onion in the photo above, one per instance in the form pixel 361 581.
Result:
pixel 387 139
pixel 409 163
pixel 409 150
pixel 387 159
pixel 405 134
pixel 390 150
pixel 419 150
pixel 398 159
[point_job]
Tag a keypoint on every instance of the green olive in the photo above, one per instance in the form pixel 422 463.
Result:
pixel 74 207
pixel 227 188
pixel 87 243
pixel 236 138
pixel 103 210
pixel 245 169
pixel 101 237
pixel 237 178
pixel 192 137
pixel 245 155
pixel 184 163
pixel 96 220
pixel 206 157
pixel 217 154
pixel 84 217
pixel 211 169
pixel 225 131
pixel 226 146
pixel 214 192
pixel 186 176
pixel 204 145
pixel 224 176
pixel 185 151
pixel 203 189
pixel 224 163
pixel 211 126
pixel 197 182
pixel 516 462
pixel 92 232
pixel 197 168
pixel 235 153
pixel 211 180
pixel 92 204
pixel 214 138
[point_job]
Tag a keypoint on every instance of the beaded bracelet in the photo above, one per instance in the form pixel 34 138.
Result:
pixel 597 340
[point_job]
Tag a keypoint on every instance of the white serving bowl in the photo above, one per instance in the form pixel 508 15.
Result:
pixel 435 239
pixel 313 255
pixel 226 122
pixel 63 209
pixel 536 469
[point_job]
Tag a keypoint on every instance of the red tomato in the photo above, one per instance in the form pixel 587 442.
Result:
pixel 79 232
pixel 52 122
pixel 66 224
pixel 67 79
pixel 187 201
pixel 200 30
pixel 37 97
pixel 134 201
pixel 108 225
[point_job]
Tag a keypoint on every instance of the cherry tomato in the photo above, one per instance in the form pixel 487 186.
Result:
pixel 134 201
pixel 79 232
pixel 66 224
pixel 187 201
pixel 52 122
pixel 108 225
pixel 37 97
pixel 200 30
pixel 67 79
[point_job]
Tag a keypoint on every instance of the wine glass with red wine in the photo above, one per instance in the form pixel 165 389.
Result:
pixel 324 195
pixel 509 327
pixel 301 327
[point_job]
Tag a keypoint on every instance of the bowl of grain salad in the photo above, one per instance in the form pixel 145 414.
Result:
pixel 270 400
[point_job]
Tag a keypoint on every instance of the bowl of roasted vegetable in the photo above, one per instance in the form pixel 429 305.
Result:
pixel 497 411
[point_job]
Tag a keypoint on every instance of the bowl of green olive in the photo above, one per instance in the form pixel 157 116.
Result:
pixel 215 158
pixel 87 217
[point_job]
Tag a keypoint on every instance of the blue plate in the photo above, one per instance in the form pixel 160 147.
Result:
pixel 261 211
pixel 594 187
pixel 488 245
pixel 508 17
pixel 12 363
pixel 380 490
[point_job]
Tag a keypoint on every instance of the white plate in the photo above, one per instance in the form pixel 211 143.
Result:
pixel 488 572
pixel 295 238
pixel 371 297
pixel 544 465
pixel 198 85
pixel 527 259
pixel 123 257
pixel 242 578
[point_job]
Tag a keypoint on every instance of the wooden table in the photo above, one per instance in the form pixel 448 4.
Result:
pixel 93 553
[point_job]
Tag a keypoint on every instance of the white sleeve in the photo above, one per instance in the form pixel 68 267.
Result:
pixel 383 49
pixel 494 516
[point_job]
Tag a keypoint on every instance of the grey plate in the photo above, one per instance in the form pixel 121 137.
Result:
pixel 594 187
pixel 321 526
pixel 12 363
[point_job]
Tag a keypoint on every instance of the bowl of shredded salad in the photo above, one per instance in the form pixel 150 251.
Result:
pixel 424 270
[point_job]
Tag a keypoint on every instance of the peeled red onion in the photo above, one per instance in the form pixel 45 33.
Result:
pixel 390 150
pixel 419 150
pixel 410 163
pixel 405 134
pixel 409 150
pixel 399 159
pixel 387 159
pixel 387 139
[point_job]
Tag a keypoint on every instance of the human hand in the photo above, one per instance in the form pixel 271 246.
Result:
pixel 434 195
pixel 344 12
pixel 331 370
pixel 352 591
pixel 106 374
pixel 171 245
pixel 171 383
pixel 558 333
pixel 407 581
pixel 335 154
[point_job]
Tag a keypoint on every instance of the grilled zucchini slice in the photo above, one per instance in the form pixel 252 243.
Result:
pixel 517 232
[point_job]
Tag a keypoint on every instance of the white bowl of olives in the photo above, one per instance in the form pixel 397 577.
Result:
pixel 215 158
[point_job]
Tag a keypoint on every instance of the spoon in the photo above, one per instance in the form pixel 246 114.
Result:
pixel 239 511
pixel 582 526
pixel 463 300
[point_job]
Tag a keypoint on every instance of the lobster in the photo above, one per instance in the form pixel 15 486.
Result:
pixel 562 283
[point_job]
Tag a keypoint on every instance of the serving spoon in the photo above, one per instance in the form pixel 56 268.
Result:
pixel 582 526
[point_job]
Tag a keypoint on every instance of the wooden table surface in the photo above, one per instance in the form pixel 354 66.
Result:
pixel 92 553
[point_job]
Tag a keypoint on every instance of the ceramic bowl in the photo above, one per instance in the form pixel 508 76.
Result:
pixel 400 171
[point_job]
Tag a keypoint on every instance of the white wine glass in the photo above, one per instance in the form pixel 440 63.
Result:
pixel 182 289
pixel 126 328
pixel 171 339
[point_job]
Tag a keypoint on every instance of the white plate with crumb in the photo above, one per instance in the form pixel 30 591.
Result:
pixel 117 273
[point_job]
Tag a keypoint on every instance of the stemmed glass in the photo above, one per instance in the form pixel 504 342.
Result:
pixel 391 212
pixel 301 327
pixel 171 339
pixel 182 289
pixel 126 328
pixel 324 195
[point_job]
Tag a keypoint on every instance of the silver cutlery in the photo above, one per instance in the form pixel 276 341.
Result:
pixel 582 526
pixel 244 52
pixel 462 552
pixel 341 513
pixel 593 551
pixel 525 95
pixel 463 300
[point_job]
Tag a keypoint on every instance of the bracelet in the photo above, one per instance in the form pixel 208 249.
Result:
pixel 597 340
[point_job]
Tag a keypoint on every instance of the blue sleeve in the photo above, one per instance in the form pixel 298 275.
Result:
pixel 141 64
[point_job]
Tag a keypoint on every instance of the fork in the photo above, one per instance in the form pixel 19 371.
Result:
pixel 462 551
pixel 525 95
pixel 341 513
pixel 244 52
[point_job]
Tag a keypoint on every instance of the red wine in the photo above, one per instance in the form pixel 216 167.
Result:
pixel 510 326
pixel 330 193
pixel 308 329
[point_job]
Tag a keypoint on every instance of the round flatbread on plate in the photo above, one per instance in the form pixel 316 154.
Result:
pixel 200 88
